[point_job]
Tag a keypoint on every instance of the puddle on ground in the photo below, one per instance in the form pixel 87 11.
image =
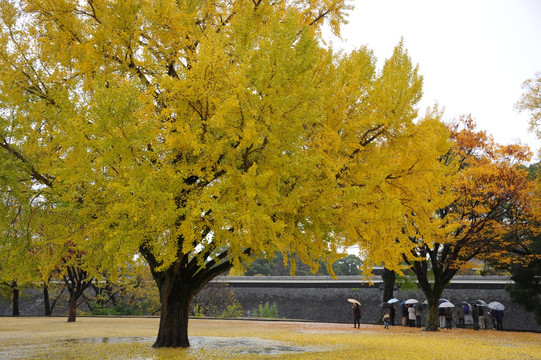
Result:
pixel 233 345
pixel 246 345
pixel 110 340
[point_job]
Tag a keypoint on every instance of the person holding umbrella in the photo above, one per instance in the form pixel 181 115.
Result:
pixel 447 313
pixel 411 315
pixel 404 308
pixel 356 313
pixel 497 308
pixel 418 313
pixel 393 310
pixel 481 318
pixel 461 314
pixel 448 318
pixel 441 316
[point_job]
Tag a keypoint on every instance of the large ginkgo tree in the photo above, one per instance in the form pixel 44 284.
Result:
pixel 200 134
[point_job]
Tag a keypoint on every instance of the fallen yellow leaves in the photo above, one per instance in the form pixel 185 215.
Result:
pixel 132 338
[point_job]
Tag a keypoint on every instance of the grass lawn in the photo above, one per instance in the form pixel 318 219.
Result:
pixel 132 338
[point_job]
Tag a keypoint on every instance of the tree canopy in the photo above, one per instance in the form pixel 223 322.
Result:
pixel 201 134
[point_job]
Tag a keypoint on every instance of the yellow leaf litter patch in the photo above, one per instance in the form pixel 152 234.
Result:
pixel 131 338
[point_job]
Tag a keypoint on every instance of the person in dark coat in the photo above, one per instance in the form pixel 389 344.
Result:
pixel 493 317
pixel 404 315
pixel 499 319
pixel 418 314
pixel 475 316
pixel 441 316
pixel 356 315
pixel 481 319
pixel 448 318
pixel 393 313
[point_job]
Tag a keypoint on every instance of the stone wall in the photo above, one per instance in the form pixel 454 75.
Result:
pixel 325 300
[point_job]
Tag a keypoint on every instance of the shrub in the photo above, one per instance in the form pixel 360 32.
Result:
pixel 266 311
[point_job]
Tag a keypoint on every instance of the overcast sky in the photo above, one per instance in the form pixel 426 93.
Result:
pixel 474 54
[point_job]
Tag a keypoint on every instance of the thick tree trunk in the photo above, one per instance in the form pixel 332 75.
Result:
pixel 432 316
pixel 178 284
pixel 176 297
pixel 72 314
pixel 15 301
pixel 389 278
pixel 432 289
pixel 46 300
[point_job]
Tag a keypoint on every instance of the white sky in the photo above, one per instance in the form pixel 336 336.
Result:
pixel 474 54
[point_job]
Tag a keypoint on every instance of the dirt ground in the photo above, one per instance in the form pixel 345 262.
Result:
pixel 132 338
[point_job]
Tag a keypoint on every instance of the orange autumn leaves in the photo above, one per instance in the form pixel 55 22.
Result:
pixel 494 204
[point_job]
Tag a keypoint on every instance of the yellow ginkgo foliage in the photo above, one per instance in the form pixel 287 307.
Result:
pixel 201 134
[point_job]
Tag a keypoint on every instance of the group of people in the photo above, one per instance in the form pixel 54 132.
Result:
pixel 477 314
pixel 412 313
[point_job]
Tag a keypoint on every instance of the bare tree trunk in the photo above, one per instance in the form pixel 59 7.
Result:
pixel 15 299
pixel 76 280
pixel 57 297
pixel 46 300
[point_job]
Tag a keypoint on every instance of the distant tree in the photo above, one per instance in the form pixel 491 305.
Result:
pixel 526 272
pixel 129 293
pixel 349 265
pixel 526 287
pixel 530 101
pixel 11 290
pixel 56 289
pixel 276 266
pixel 215 300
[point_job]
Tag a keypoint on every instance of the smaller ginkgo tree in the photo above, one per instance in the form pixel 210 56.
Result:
pixel 490 215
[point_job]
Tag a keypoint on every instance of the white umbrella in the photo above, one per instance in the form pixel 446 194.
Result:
pixel 480 302
pixel 496 305
pixel 392 301
pixel 353 301
pixel 439 301
pixel 411 301
pixel 446 304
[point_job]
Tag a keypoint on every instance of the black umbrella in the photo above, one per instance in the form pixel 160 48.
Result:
pixel 420 306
